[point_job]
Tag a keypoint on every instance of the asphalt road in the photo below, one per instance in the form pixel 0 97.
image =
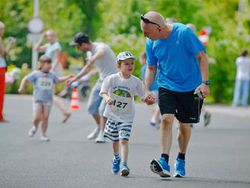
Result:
pixel 218 155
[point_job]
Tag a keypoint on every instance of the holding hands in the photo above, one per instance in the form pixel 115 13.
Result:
pixel 70 80
pixel 108 100
pixel 149 99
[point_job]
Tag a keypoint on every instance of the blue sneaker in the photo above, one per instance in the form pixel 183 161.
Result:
pixel 160 167
pixel 116 166
pixel 124 169
pixel 179 168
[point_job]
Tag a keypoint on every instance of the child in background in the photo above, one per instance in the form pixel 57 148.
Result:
pixel 43 81
pixel 118 90
pixel 156 116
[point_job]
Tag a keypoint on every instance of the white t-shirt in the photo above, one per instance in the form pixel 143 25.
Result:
pixel 122 91
pixel 106 65
pixel 243 68
pixel 50 52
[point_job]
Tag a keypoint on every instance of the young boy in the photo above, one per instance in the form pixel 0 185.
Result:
pixel 44 81
pixel 118 90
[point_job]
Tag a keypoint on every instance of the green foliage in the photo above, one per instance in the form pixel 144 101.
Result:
pixel 117 24
pixel 56 15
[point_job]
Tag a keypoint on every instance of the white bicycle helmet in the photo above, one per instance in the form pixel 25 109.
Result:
pixel 125 55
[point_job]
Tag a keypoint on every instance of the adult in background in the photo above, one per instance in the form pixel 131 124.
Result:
pixel 3 67
pixel 52 49
pixel 182 74
pixel 104 59
pixel 241 90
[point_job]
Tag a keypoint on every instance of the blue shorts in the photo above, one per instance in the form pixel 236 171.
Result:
pixel 95 100
pixel 116 131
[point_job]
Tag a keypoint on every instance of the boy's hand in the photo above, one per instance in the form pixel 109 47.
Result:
pixel 149 99
pixel 109 101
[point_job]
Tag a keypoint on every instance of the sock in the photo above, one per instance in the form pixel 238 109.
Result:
pixel 124 163
pixel 153 120
pixel 181 156
pixel 165 156
pixel 117 156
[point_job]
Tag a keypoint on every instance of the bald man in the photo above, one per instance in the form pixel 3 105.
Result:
pixel 181 62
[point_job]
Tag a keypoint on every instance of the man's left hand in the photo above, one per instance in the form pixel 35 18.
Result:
pixel 203 89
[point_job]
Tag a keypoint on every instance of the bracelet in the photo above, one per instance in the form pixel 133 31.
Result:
pixel 206 82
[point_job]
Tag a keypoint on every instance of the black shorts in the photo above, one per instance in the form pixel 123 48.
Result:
pixel 184 105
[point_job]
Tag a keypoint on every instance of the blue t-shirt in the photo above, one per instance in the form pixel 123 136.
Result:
pixel 43 85
pixel 154 86
pixel 175 58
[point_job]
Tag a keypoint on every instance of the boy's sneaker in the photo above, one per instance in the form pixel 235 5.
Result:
pixel 32 131
pixel 153 124
pixel 44 138
pixel 160 167
pixel 179 168
pixel 93 134
pixel 116 165
pixel 124 170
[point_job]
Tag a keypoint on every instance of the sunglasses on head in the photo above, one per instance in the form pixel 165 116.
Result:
pixel 147 21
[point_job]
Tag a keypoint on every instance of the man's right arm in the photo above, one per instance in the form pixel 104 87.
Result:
pixel 150 76
pixel 86 69
pixel 38 46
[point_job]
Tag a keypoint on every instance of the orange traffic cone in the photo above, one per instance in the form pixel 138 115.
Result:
pixel 74 105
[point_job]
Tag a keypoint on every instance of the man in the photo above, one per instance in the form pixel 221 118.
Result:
pixel 181 63
pixel 104 59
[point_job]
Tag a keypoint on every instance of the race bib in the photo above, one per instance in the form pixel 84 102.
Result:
pixel 45 83
pixel 121 103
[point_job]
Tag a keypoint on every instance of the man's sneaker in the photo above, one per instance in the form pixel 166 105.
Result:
pixel 93 134
pixel 124 170
pixel 44 138
pixel 32 131
pixel 179 168
pixel 116 165
pixel 207 118
pixel 153 124
pixel 100 138
pixel 160 167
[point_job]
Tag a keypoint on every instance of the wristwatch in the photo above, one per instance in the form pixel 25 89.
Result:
pixel 206 82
